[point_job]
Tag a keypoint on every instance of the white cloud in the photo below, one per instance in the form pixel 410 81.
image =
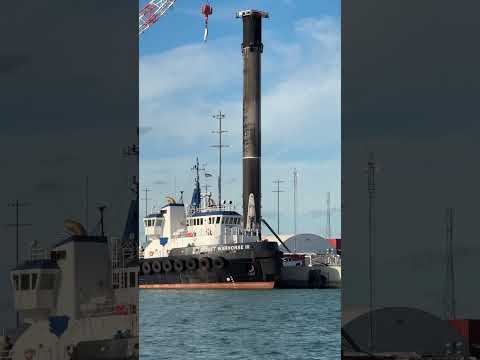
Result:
pixel 325 29
pixel 192 67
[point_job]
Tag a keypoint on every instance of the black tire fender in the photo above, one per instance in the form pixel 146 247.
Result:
pixel 146 268
pixel 219 263
pixel 205 263
pixel 156 266
pixel 191 263
pixel 178 265
pixel 167 265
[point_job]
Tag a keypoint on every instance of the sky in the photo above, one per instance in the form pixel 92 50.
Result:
pixel 184 82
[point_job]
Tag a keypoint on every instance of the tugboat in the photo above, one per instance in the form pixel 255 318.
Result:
pixel 205 246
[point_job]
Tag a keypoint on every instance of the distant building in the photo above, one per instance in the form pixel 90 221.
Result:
pixel 306 242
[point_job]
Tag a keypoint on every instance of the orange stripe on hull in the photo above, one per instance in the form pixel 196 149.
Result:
pixel 217 286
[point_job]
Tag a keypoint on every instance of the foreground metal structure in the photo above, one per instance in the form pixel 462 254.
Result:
pixel 151 12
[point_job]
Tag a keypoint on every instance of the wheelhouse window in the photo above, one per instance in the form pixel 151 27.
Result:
pixel 34 281
pixel 15 282
pixel 149 222
pixel 124 280
pixel 218 219
pixel 47 281
pixel 24 281
pixel 133 282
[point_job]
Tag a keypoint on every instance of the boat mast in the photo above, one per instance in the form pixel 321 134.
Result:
pixel 220 131
pixel 196 198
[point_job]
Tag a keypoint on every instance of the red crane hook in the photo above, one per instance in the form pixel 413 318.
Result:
pixel 206 11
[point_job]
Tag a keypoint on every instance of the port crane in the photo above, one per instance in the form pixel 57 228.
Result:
pixel 154 9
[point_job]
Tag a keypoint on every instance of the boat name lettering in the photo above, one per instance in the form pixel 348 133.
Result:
pixel 225 248
pixel 233 247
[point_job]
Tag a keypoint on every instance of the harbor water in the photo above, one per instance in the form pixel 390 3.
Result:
pixel 215 325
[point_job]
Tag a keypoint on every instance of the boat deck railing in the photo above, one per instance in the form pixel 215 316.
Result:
pixel 233 234
pixel 207 209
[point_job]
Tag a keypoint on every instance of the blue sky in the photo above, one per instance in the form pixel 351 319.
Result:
pixel 183 82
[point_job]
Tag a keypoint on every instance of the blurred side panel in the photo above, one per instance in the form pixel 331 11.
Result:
pixel 410 85
pixel 68 197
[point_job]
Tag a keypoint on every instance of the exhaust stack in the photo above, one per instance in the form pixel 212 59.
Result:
pixel 252 49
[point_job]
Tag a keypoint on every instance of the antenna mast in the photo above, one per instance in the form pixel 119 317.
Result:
pixel 17 205
pixel 328 229
pixel 102 209
pixel 371 243
pixel 220 131
pixel 147 190
pixel 278 191
pixel 295 189
pixel 450 311
pixel 86 203
pixel 205 175
pixel 197 170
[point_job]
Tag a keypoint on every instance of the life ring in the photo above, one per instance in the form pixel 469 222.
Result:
pixel 178 265
pixel 191 263
pixel 167 265
pixel 151 253
pixel 205 263
pixel 219 263
pixel 146 268
pixel 156 266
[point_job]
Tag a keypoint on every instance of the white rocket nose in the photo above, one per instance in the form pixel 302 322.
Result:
pixel 251 216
